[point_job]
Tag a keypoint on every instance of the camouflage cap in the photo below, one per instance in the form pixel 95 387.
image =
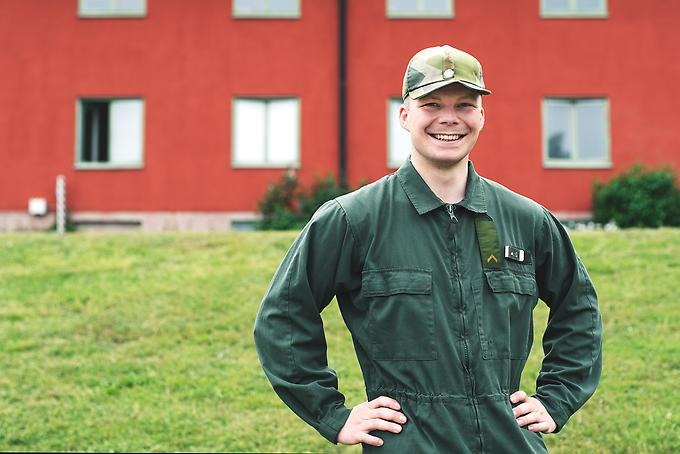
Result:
pixel 436 67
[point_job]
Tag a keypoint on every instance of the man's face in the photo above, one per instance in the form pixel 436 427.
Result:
pixel 444 125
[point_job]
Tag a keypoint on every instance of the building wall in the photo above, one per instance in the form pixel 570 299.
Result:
pixel 187 60
pixel 627 57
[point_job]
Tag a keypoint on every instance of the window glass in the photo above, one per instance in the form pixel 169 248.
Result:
pixel 249 131
pixel 555 5
pixel 94 138
pixel 94 5
pixel 399 141
pixel 436 5
pixel 266 132
pixel 111 8
pixel 131 5
pixel 283 6
pixel 282 131
pixel 589 5
pixel 419 8
pixel 266 8
pixel 573 8
pixel 402 6
pixel 559 126
pixel 250 6
pixel 590 116
pixel 126 120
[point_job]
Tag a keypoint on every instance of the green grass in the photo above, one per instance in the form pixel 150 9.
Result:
pixel 137 342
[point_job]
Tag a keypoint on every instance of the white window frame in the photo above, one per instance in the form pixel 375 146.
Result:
pixel 266 13
pixel 573 162
pixel 114 10
pixel 82 164
pixel 573 11
pixel 420 12
pixel 267 163
pixel 394 128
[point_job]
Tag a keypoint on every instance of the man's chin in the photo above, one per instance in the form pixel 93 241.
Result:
pixel 445 162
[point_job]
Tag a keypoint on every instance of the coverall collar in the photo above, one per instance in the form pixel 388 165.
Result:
pixel 424 200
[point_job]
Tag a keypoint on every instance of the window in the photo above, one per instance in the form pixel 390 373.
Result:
pixel 266 132
pixel 573 8
pixel 266 8
pixel 576 133
pixel 397 9
pixel 398 140
pixel 111 8
pixel 110 133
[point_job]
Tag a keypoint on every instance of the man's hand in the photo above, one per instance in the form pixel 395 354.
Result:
pixel 381 413
pixel 531 413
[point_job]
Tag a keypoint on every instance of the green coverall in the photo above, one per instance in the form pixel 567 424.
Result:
pixel 438 299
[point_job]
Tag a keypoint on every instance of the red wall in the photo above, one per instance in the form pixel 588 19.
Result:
pixel 631 57
pixel 189 59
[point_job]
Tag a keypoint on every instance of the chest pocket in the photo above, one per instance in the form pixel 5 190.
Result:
pixel 505 303
pixel 400 314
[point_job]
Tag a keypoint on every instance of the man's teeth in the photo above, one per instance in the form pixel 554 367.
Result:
pixel 447 137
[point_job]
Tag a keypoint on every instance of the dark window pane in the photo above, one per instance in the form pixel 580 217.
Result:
pixel 557 148
pixel 95 136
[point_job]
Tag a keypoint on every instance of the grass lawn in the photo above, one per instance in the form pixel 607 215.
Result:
pixel 139 342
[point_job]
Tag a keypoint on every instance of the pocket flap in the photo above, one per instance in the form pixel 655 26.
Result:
pixel 504 281
pixel 391 282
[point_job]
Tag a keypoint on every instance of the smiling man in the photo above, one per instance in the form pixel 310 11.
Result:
pixel 436 271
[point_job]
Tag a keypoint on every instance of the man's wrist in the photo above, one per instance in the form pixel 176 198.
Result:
pixel 555 411
pixel 331 424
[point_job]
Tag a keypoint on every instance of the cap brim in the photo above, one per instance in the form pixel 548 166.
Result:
pixel 429 88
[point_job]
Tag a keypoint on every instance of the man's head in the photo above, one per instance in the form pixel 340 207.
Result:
pixel 437 67
pixel 442 108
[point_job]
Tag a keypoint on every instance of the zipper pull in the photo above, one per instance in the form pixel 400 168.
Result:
pixel 451 209
pixel 454 220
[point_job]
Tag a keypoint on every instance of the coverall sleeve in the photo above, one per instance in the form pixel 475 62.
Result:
pixel 289 333
pixel 572 342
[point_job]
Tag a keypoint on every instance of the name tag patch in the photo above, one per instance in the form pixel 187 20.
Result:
pixel 515 253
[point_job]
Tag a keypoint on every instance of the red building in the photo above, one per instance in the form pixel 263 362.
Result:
pixel 170 114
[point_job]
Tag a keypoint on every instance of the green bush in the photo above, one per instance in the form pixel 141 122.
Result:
pixel 322 191
pixel 638 198
pixel 286 205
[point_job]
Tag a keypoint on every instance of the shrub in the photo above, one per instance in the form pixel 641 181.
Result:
pixel 322 191
pixel 278 204
pixel 285 205
pixel 638 198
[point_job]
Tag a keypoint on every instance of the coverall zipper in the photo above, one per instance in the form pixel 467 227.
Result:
pixel 451 210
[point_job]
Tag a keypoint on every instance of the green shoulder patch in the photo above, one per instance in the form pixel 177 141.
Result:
pixel 489 246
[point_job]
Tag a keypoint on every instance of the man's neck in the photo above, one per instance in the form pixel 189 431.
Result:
pixel 447 183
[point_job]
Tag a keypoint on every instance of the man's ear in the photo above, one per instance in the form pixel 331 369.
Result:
pixel 481 111
pixel 403 116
